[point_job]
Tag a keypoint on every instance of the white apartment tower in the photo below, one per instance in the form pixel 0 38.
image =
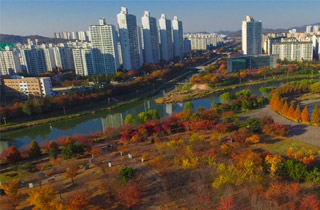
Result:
pixel 104 44
pixel 150 39
pixel 308 29
pixel 9 61
pixel 129 35
pixel 251 36
pixel 166 47
pixel 83 61
pixel 177 37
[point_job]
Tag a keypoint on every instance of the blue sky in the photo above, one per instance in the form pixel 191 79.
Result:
pixel 43 17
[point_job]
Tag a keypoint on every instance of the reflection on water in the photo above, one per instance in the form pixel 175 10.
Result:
pixel 100 120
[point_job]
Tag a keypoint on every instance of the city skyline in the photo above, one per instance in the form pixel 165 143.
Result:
pixel 76 15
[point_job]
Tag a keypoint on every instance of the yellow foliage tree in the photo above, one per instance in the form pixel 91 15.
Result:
pixel 253 139
pixel 43 199
pixel 273 160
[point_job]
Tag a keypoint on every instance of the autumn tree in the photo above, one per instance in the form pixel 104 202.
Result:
pixel 78 201
pixel 12 154
pixel 12 198
pixel 315 117
pixel 226 203
pixel 285 108
pixel 43 199
pixel 72 172
pixel 53 149
pixel 130 195
pixel 305 116
pixel 34 150
pixel 253 139
pixel 291 111
pixel 297 113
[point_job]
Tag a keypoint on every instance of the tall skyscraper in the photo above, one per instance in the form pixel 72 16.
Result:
pixel 177 37
pixel 251 36
pixel 105 50
pixel 129 36
pixel 165 38
pixel 150 39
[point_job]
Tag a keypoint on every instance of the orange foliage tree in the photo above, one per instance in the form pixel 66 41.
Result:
pixel 130 195
pixel 315 117
pixel 297 114
pixel 290 113
pixel 305 116
pixel 78 202
pixel 11 200
pixel 72 172
pixel 285 108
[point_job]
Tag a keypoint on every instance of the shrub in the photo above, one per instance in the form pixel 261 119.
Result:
pixel 72 150
pixel 125 174
pixel 275 129
pixel 12 154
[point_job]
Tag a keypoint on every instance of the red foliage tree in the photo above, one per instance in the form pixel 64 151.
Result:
pixel 310 202
pixel 12 154
pixel 130 195
pixel 78 202
pixel 226 203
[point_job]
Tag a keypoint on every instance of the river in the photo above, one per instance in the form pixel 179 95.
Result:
pixel 99 121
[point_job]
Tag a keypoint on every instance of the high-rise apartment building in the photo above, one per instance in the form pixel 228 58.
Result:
pixel 49 56
pixel 150 38
pixel 251 36
pixel 315 29
pixel 293 50
pixel 83 61
pixel 35 60
pixel 308 29
pixel 9 61
pixel 166 46
pixel 177 32
pixel 203 41
pixel 129 35
pixel 105 50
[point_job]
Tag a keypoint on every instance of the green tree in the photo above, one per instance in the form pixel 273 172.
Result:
pixel 296 170
pixel 34 150
pixel 125 174
pixel 153 115
pixel 71 150
pixel 142 117
pixel 225 97
pixel 129 120
pixel 27 109
pixel 188 106
pixel 243 93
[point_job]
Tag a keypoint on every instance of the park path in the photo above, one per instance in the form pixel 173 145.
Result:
pixel 297 131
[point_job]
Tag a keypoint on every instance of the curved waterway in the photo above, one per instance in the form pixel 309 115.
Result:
pixel 101 120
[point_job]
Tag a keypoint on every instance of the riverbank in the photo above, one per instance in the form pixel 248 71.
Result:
pixel 98 107
pixel 178 96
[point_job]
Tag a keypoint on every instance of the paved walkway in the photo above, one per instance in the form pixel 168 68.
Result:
pixel 297 131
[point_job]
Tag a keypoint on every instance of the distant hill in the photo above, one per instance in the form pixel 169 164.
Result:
pixel 268 30
pixel 6 38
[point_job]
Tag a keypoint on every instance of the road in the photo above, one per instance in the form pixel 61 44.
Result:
pixel 297 131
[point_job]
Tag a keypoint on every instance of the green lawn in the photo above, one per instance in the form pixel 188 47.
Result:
pixel 280 146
